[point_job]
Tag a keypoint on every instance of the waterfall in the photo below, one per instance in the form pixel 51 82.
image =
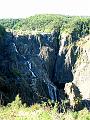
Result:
pixel 30 67
pixel 62 46
pixel 15 48
pixel 76 51
pixel 55 93
pixel 52 92
pixel 29 37
pixel 32 73
pixel 23 56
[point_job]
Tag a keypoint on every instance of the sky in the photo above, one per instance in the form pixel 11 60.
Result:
pixel 26 8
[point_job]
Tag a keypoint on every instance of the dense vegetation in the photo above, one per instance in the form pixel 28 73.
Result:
pixel 17 111
pixel 78 26
pixel 2 31
pixel 9 23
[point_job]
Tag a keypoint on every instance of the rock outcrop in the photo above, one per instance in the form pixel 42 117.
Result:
pixel 73 94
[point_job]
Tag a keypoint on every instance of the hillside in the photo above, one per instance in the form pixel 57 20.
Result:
pixel 47 23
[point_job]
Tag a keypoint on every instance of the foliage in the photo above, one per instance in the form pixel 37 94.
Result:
pixel 2 33
pixel 17 103
pixel 2 30
pixel 17 111
pixel 15 73
pixel 9 23
pixel 77 27
pixel 38 22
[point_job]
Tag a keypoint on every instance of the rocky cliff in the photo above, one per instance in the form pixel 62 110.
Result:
pixel 27 64
pixel 82 67
pixel 73 64
pixel 37 66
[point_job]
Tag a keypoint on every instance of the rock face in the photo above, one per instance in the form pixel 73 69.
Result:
pixel 63 67
pixel 82 68
pixel 28 62
pixel 73 94
pixel 34 66
pixel 73 64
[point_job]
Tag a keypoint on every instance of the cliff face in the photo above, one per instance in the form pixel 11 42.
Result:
pixel 63 68
pixel 37 66
pixel 27 64
pixel 73 64
pixel 82 68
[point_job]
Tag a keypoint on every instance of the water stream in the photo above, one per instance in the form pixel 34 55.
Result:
pixel 52 92
pixel 15 48
pixel 62 46
pixel 30 67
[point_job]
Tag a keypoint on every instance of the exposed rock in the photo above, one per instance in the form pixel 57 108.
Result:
pixel 29 60
pixel 82 69
pixel 47 54
pixel 73 94
pixel 73 64
pixel 63 67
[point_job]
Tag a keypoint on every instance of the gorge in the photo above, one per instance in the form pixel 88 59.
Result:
pixel 37 66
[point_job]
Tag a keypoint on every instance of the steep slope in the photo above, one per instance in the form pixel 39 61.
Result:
pixel 73 64
pixel 82 68
pixel 27 66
